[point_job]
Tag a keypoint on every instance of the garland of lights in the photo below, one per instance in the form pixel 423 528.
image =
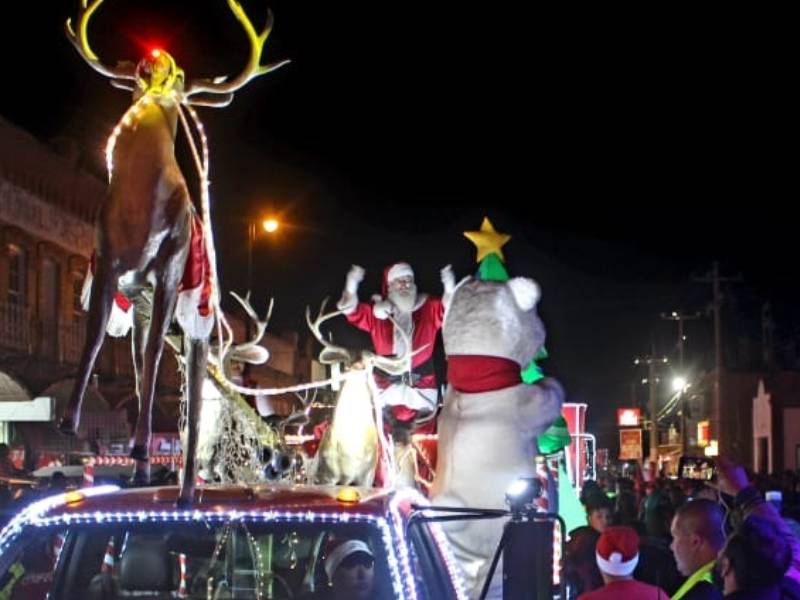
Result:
pixel 398 557
pixel 35 511
pixel 395 545
pixel 412 496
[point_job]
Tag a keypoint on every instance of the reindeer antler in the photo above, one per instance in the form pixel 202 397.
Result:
pixel 250 351
pixel 253 68
pixel 331 353
pixel 396 365
pixel 80 40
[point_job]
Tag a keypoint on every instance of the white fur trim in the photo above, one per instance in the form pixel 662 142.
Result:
pixel 347 303
pixel 399 270
pixel 382 309
pixel 526 292
pixel 194 325
pixel 341 552
pixel 421 299
pixel 615 566
pixel 119 321
pixel 422 399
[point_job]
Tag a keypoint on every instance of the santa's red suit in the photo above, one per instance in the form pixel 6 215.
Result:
pixel 426 320
pixel 410 394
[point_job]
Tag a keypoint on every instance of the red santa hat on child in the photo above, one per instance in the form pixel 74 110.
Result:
pixel 338 550
pixel 618 551
pixel 392 272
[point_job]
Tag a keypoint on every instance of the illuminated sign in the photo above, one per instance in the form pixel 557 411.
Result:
pixel 630 444
pixel 629 417
pixel 703 433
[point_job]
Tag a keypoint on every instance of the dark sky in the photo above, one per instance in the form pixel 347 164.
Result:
pixel 622 160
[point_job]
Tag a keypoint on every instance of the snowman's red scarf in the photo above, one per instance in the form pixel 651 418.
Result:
pixel 473 374
pixel 193 309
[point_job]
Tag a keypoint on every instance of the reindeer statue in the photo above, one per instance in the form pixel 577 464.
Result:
pixel 349 448
pixel 226 417
pixel 150 235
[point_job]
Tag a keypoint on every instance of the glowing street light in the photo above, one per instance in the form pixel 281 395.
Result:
pixel 678 384
pixel 270 226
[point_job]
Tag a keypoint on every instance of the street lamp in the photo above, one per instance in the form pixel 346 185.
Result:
pixel 678 384
pixel 269 226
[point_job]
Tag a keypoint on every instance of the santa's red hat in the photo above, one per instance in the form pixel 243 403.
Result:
pixel 337 550
pixel 618 551
pixel 392 272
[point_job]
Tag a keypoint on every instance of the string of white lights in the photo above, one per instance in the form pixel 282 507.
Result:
pixel 392 530
pixel 412 496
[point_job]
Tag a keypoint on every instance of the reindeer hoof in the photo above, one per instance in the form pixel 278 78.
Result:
pixel 139 452
pixel 67 426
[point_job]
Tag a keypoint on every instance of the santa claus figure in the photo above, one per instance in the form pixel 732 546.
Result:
pixel 411 397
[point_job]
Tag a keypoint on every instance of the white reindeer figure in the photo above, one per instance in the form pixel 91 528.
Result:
pixel 349 450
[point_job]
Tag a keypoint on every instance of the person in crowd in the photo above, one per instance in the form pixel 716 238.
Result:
pixel 617 555
pixel 754 562
pixel 697 538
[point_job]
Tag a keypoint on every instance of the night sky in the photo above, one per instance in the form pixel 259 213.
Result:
pixel 621 160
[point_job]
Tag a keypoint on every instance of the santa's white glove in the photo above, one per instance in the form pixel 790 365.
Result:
pixel 382 309
pixel 448 279
pixel 354 276
pixel 448 284
pixel 349 300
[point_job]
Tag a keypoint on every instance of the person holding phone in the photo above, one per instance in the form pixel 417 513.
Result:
pixel 748 503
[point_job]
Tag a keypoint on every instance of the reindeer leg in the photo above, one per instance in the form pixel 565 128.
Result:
pixel 141 315
pixel 196 361
pixel 164 298
pixel 104 287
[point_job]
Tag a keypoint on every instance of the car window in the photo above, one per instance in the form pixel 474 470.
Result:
pixel 202 559
pixel 27 568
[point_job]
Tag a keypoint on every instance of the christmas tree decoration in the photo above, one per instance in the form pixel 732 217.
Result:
pixel 487 240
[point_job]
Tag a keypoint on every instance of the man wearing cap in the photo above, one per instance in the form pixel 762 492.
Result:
pixel 349 565
pixel 410 396
pixel 617 555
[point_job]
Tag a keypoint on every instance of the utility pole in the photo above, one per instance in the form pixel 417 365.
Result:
pixel 715 279
pixel 680 318
pixel 651 361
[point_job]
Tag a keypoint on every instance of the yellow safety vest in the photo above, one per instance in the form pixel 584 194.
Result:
pixel 16 571
pixel 702 574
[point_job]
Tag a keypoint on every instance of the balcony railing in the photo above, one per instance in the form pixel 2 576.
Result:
pixel 73 334
pixel 59 341
pixel 15 326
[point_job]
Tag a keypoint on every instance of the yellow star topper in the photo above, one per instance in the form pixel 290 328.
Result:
pixel 487 240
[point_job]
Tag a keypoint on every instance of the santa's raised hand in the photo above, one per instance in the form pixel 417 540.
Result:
pixel 448 283
pixel 349 300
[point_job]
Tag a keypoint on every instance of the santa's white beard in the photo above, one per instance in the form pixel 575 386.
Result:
pixel 405 299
